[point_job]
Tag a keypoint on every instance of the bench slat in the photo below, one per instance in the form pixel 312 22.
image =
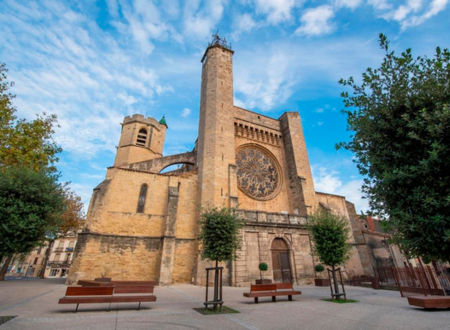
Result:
pixel 263 287
pixel 89 291
pixel 283 286
pixel 133 289
pixel 133 298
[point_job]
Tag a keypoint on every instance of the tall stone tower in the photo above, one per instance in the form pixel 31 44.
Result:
pixel 216 151
pixel 141 139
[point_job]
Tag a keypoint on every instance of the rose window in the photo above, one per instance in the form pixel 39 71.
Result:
pixel 257 173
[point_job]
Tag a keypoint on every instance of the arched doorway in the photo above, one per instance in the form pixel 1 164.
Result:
pixel 280 261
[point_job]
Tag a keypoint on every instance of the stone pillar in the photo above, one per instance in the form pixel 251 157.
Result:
pixel 169 240
pixel 301 184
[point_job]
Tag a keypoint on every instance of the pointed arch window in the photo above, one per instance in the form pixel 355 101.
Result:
pixel 142 137
pixel 141 200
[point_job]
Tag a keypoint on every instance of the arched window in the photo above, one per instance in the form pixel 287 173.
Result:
pixel 142 137
pixel 141 201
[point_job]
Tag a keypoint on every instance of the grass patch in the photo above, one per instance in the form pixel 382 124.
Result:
pixel 340 301
pixel 210 311
pixel 4 319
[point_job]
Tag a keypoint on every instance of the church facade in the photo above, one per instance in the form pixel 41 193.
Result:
pixel 143 224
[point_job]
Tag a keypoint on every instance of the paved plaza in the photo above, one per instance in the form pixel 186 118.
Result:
pixel 36 305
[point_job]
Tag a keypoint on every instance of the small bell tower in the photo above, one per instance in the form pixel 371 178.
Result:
pixel 141 139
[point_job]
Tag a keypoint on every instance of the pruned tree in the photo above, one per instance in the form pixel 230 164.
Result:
pixel 330 233
pixel 219 236
pixel 399 118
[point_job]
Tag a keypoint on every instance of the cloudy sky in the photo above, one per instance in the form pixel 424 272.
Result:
pixel 93 62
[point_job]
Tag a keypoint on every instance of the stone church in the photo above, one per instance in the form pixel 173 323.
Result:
pixel 142 223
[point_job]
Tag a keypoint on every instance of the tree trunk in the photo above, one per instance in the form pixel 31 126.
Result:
pixel 46 257
pixel 5 267
pixel 336 284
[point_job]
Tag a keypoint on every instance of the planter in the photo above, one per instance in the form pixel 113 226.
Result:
pixel 321 282
pixel 263 281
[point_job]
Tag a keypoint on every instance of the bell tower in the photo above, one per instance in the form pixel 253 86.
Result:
pixel 141 139
pixel 216 150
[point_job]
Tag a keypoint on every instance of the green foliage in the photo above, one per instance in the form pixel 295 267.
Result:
pixel 219 234
pixel 330 233
pixel 263 266
pixel 399 116
pixel 319 268
pixel 31 204
pixel 24 143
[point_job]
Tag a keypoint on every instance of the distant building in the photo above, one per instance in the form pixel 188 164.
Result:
pixel 381 252
pixel 58 264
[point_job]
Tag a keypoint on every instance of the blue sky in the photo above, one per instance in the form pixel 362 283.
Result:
pixel 93 62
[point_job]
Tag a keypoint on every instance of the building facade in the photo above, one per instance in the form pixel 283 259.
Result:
pixel 142 224
pixel 58 263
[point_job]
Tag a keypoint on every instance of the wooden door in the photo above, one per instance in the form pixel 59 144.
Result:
pixel 280 261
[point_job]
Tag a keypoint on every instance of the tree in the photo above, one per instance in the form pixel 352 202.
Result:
pixel 25 146
pixel 330 233
pixel 24 143
pixel 219 235
pixel 30 207
pixel 399 116
pixel 69 222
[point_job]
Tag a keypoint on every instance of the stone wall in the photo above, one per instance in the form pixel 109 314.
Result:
pixel 121 243
pixel 257 237
pixel 118 257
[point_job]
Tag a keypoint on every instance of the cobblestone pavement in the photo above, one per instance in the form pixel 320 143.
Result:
pixel 36 305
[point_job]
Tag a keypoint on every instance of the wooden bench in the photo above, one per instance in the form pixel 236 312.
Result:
pixel 429 302
pixel 271 290
pixel 115 283
pixel 107 294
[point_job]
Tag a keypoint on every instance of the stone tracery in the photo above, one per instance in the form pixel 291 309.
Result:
pixel 257 173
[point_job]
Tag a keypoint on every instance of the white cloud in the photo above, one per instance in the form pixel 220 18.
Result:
pixel 144 20
pixel 316 21
pixel 186 112
pixel 242 23
pixel 411 12
pixel 435 7
pixel 379 4
pixel 352 4
pixel 276 10
pixel 329 181
pixel 200 21
pixel 266 81
pixel 76 71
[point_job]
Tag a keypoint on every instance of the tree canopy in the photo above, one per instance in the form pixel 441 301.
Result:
pixel 219 234
pixel 31 204
pixel 329 233
pixel 24 143
pixel 399 116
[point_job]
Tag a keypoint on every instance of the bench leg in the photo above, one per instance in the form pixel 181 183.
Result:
pixel 256 300
pixel 139 307
pixel 76 309
pixel 290 297
pixel 274 298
